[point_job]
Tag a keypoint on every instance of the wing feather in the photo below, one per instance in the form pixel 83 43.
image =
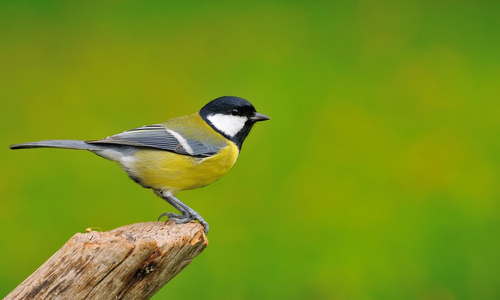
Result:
pixel 158 137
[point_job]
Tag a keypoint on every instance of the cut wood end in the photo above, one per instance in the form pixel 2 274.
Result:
pixel 162 232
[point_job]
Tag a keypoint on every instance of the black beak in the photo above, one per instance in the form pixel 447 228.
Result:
pixel 259 117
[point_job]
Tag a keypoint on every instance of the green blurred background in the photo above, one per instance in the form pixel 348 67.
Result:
pixel 377 177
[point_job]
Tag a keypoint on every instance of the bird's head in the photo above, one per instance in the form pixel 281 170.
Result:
pixel 233 117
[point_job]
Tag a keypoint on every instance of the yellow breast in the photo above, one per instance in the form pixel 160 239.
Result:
pixel 165 170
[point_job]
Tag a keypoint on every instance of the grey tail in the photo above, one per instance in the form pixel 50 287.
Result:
pixel 65 144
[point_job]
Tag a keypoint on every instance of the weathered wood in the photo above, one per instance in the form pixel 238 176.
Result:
pixel 129 262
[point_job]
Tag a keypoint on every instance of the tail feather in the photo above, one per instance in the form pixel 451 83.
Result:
pixel 65 144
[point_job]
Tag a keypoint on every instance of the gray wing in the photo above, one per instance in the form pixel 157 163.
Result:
pixel 158 137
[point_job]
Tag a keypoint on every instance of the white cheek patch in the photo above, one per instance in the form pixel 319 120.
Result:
pixel 228 124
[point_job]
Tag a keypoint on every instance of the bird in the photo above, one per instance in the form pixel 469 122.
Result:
pixel 183 153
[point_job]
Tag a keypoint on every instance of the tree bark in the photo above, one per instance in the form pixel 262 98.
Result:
pixel 129 262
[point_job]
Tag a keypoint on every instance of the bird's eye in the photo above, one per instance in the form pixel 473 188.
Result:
pixel 234 111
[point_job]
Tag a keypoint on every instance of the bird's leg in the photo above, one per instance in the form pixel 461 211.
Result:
pixel 187 213
pixel 179 219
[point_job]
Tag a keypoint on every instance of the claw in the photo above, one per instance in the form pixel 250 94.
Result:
pixel 204 224
pixel 179 219
pixel 170 216
pixel 161 216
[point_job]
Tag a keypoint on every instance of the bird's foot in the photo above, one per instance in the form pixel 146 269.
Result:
pixel 181 219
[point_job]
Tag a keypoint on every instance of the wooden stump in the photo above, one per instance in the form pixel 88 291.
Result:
pixel 129 262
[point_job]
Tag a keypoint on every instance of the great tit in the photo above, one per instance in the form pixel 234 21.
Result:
pixel 184 153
